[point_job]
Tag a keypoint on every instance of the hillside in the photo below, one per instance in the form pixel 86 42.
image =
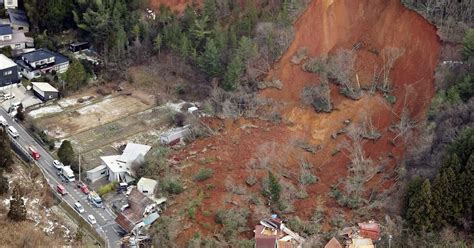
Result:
pixel 249 148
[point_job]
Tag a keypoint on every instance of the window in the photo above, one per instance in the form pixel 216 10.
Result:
pixel 7 73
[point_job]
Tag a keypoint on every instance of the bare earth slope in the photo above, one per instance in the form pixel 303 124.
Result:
pixel 324 27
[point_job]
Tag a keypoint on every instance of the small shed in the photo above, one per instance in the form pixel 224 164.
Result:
pixel 79 46
pixel 174 135
pixel 45 91
pixel 147 186
pixel 97 173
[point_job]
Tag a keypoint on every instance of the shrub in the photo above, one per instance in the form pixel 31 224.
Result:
pixel 306 177
pixel 171 186
pixel 107 188
pixel 251 180
pixel 234 221
pixel 318 96
pixel 203 174
pixel 315 65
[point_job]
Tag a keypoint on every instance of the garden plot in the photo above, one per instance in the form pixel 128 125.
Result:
pixel 96 114
pixel 104 140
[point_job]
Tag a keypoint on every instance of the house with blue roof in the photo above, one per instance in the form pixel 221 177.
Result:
pixel 41 61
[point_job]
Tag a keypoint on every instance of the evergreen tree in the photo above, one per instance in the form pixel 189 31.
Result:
pixel 274 187
pixel 233 73
pixel 210 10
pixel 3 184
pixel 76 75
pixel 420 210
pixel 209 60
pixel 468 42
pixel 17 210
pixel 6 156
pixel 66 153
pixel 467 188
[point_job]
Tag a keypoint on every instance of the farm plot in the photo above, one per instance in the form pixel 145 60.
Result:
pixel 96 114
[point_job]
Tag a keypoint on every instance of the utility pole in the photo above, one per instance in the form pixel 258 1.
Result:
pixel 79 167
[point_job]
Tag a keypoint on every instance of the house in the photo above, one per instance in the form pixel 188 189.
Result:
pixel 8 71
pixel 10 4
pixel 141 211
pixel 34 64
pixel 272 233
pixel 147 186
pixel 45 91
pixel 18 20
pixel 13 38
pixel 78 46
pixel 173 136
pixel 369 230
pixel 119 167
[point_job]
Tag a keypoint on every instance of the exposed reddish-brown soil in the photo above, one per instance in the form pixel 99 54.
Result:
pixel 325 26
pixel 175 5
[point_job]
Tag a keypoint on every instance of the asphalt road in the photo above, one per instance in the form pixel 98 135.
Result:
pixel 105 218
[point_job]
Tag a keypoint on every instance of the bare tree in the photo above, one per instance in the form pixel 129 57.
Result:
pixel 389 56
pixel 404 127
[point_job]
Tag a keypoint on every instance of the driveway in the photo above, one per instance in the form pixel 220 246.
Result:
pixel 26 97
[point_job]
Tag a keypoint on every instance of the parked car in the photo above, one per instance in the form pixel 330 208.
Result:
pixel 13 132
pixel 83 187
pixel 61 189
pixel 3 121
pixel 57 164
pixel 79 207
pixel 8 96
pixel 91 219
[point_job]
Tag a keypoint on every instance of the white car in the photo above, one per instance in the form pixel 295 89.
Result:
pixel 8 96
pixel 91 219
pixel 57 164
pixel 79 208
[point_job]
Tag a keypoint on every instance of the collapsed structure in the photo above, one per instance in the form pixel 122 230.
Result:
pixel 273 233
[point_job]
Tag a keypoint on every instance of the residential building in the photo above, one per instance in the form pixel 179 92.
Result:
pixel 147 186
pixel 45 91
pixel 119 167
pixel 141 211
pixel 10 4
pixel 8 71
pixel 34 64
pixel 13 38
pixel 333 243
pixel 18 20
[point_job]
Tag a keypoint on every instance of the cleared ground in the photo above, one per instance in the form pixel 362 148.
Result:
pixel 98 125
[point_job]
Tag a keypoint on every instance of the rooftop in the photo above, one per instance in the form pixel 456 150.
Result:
pixel 146 184
pixel 5 29
pixel 17 37
pixel 122 163
pixel 38 55
pixel 18 17
pixel 5 62
pixel 44 87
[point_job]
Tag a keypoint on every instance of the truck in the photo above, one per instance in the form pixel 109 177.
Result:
pixel 95 199
pixel 67 173
pixel 34 153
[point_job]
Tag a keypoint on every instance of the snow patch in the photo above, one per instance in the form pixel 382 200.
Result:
pixel 44 111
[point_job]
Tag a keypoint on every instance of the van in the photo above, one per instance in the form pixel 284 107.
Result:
pixel 13 132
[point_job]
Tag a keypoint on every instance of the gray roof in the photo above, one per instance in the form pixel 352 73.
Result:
pixel 5 29
pixel 18 17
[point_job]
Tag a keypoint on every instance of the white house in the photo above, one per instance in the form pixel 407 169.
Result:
pixel 10 4
pixel 147 186
pixel 119 167
pixel 13 38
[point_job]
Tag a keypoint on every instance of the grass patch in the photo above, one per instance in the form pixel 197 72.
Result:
pixel 203 174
